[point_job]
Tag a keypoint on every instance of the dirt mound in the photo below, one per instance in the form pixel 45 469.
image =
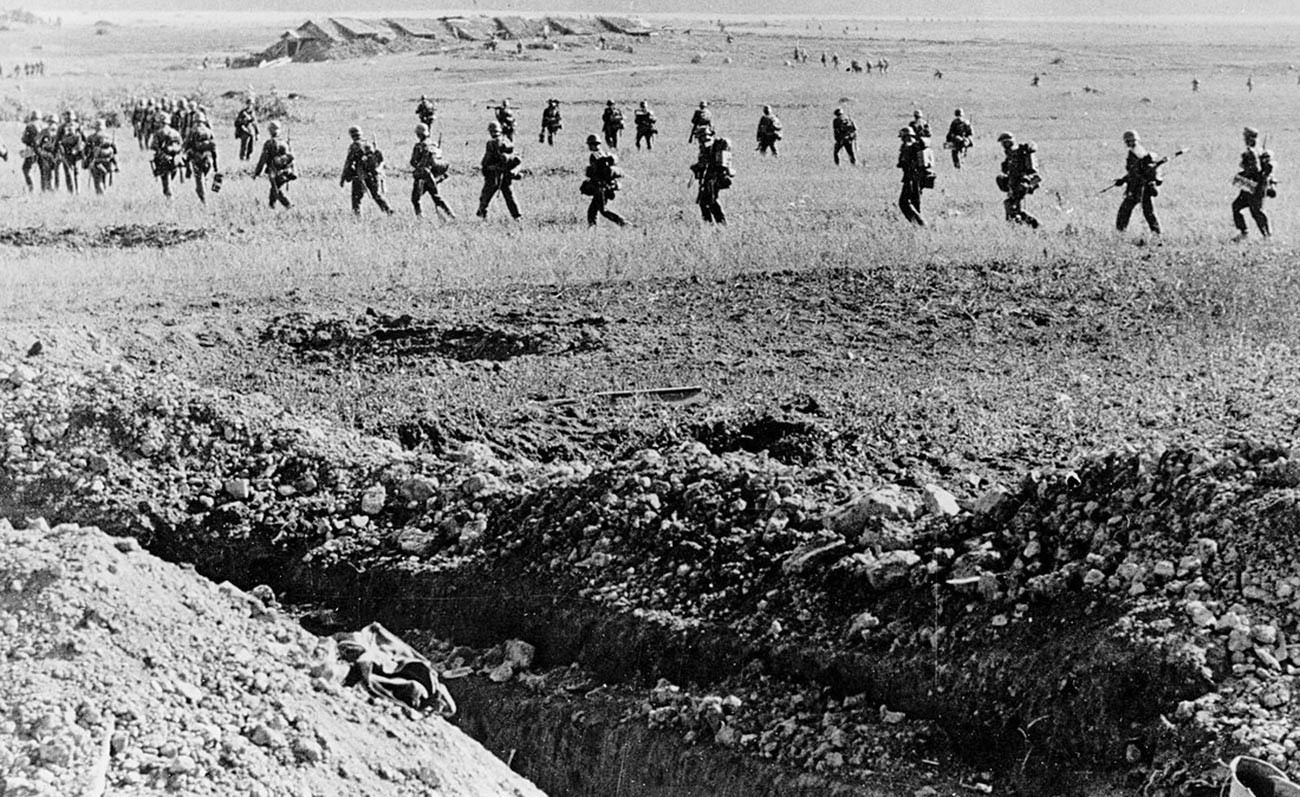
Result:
pixel 122 672
pixel 377 336
pixel 122 236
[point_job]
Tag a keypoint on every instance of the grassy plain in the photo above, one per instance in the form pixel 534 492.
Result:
pixel 1070 336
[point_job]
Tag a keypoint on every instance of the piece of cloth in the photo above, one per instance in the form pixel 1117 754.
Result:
pixel 388 667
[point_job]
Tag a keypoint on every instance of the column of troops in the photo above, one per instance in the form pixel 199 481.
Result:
pixel 178 134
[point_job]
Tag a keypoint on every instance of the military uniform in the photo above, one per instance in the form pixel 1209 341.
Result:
pixel 1255 179
pixel 246 130
pixel 499 165
pixel 959 138
pixel 363 168
pixel 31 152
pixel 611 123
pixel 646 126
pixel 1140 181
pixel 47 154
pixel 428 169
pixel 846 132
pixel 601 183
pixel 551 123
pixel 72 150
pixel 201 154
pixel 167 147
pixel 101 158
pixel 1019 178
pixel 712 169
pixel 918 174
pixel 920 128
pixel 506 119
pixel 701 121
pixel 769 131
pixel 425 112
pixel 277 162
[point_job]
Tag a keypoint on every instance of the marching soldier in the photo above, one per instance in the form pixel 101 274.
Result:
pixel 506 119
pixel 72 150
pixel 601 183
pixel 1196 85
pixel 551 122
pixel 47 154
pixel 167 147
pixel 363 168
pixel 101 157
pixel 1019 178
pixel 246 129
pixel 769 131
pixel 611 123
pixel 713 171
pixel 846 132
pixel 959 137
pixel 1255 179
pixel 277 162
pixel 500 169
pixel 1141 176
pixel 920 128
pixel 200 149
pixel 429 170
pixel 918 173
pixel 424 111
pixel 31 135
pixel 646 125
pixel 701 121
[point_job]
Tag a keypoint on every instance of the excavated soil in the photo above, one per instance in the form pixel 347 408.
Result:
pixel 121 236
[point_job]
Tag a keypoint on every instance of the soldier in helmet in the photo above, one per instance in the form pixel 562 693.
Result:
pixel 1019 178
pixel 363 168
pixel 31 135
pixel 960 135
pixel 424 111
pixel 1255 179
pixel 1140 181
pixel 646 125
pixel 500 168
pixel 846 133
pixel 918 173
pixel 920 127
pixel 72 150
pixel 506 119
pixel 47 153
pixel 167 148
pixel 201 154
pixel 601 183
pixel 769 132
pixel 101 157
pixel 277 162
pixel 551 122
pixel 701 120
pixel 611 123
pixel 713 171
pixel 246 129
pixel 429 169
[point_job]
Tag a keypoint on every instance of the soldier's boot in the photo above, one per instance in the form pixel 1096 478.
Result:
pixel 442 206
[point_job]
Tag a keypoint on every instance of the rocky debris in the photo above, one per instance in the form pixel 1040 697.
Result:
pixel 376 336
pixel 120 671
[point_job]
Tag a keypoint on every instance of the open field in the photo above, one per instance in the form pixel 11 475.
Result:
pixel 855 350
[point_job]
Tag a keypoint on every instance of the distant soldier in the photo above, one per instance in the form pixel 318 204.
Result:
pixel 72 150
pixel 1196 85
pixel 101 157
pixel 166 163
pixel 601 183
pixel 1034 81
pixel 425 112
pixel 713 171
pixel 938 74
pixel 31 135
pixel 916 162
pixel 960 137
pixel 846 133
pixel 701 121
pixel 506 119
pixel 47 153
pixel 611 123
pixel 647 126
pixel 363 168
pixel 500 168
pixel 1255 179
pixel 551 122
pixel 919 126
pixel 883 66
pixel 140 120
pixel 246 129
pixel 1140 181
pixel 1019 178
pixel 277 162
pixel 429 168
pixel 769 132
pixel 835 61
pixel 823 58
pixel 200 148
pixel 1250 83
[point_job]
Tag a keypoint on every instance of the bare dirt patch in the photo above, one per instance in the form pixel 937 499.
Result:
pixel 122 236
